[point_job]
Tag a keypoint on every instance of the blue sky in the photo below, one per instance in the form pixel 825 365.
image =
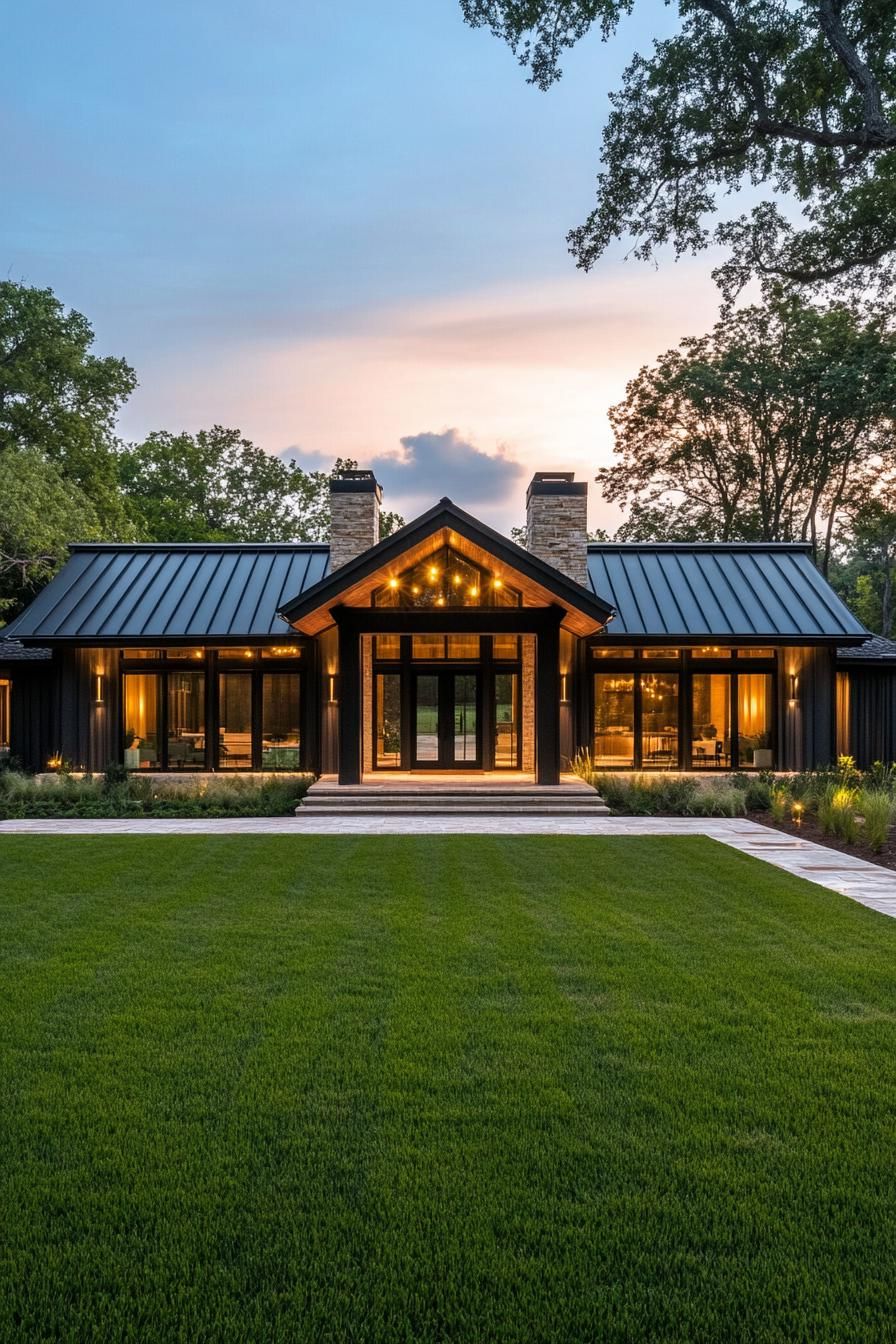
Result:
pixel 337 227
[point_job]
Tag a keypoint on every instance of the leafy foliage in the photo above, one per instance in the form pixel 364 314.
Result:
pixel 769 428
pixel 798 99
pixel 58 399
pixel 40 512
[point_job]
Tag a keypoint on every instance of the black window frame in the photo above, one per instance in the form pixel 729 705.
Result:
pixel 686 666
pixel 211 665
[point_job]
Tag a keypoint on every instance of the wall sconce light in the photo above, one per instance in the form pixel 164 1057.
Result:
pixel 334 694
pixel 794 687
pixel 99 689
pixel 564 689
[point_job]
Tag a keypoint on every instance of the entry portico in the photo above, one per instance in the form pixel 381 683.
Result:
pixel 449 645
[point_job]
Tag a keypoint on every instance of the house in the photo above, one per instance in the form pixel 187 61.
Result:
pixel 443 647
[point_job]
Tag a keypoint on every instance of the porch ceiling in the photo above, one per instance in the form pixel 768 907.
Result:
pixel 540 585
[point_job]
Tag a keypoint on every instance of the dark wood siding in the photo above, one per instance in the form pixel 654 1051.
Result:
pixel 806 729
pixel 870 705
pixel 34 712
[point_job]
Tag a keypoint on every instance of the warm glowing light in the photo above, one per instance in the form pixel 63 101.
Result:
pixel 456 580
pixel 248 653
pixel 474 592
pixel 440 601
pixel 433 572
pixel 393 583
pixel 415 590
pixel 498 583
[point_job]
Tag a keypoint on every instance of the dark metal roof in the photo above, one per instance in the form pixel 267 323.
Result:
pixel 189 592
pixel 717 590
pixel 11 651
pixel 874 650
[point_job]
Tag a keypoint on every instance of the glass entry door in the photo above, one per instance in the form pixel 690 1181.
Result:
pixel 446 720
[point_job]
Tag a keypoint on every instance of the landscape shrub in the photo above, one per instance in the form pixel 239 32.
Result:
pixel 837 812
pixel 62 795
pixel 876 807
pixel 780 801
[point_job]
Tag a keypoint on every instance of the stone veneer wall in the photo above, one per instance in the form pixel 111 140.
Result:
pixel 354 524
pixel 367 701
pixel 557 526
pixel 528 724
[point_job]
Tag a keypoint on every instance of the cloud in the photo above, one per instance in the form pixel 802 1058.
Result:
pixel 432 464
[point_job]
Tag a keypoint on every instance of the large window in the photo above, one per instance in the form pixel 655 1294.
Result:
pixel 388 720
pixel 614 718
pixel 446 579
pixel 142 730
pixel 280 721
pixel 507 721
pixel 235 720
pixel 659 719
pixel 5 695
pixel 711 719
pixel 665 708
pixel 186 720
pixel 215 709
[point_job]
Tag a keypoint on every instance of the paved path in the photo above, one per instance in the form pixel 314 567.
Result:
pixel 865 882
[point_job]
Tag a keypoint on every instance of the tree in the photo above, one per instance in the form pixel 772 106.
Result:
pixel 211 486
pixel 798 98
pixel 40 513
pixel 770 428
pixel 864 572
pixel 218 486
pixel 59 399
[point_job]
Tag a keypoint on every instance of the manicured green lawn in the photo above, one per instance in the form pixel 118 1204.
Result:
pixel 449 1088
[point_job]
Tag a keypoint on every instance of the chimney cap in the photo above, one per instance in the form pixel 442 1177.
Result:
pixel 556 483
pixel 355 482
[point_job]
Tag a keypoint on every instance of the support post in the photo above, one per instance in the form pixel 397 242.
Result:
pixel 547 699
pixel 349 703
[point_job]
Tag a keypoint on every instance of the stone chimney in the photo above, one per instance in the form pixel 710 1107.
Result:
pixel 355 498
pixel 556 522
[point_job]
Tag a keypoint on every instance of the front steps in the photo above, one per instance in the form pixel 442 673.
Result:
pixel 573 799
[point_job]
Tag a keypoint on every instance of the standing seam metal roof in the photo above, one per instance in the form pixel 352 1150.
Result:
pixel 716 590
pixel 137 592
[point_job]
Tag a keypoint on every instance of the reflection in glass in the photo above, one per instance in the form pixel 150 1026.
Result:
pixel 711 711
pixel 465 745
pixel 388 719
pixel 506 721
pixel 610 651
pixel 186 720
pixel 614 718
pixel 141 720
pixel 667 655
pixel 280 723
pixel 754 719
pixel 388 646
pixel 426 719
pixel 710 651
pixel 234 721
pixel 428 646
pixel 756 653
pixel 506 647
pixel 659 719
pixel 463 646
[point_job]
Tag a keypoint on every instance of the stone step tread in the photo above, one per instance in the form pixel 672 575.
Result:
pixel 478 809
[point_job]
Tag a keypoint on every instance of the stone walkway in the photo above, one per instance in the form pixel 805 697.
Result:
pixel 864 882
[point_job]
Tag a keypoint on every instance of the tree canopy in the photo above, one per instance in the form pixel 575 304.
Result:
pixel 773 427
pixel 797 98
pixel 59 399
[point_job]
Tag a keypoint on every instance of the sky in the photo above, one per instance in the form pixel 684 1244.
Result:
pixel 339 228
